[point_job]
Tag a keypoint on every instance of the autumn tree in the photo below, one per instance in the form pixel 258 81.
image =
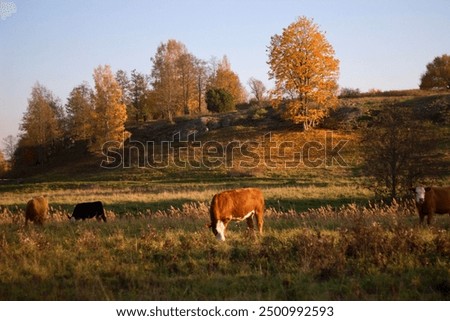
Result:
pixel 165 77
pixel 200 83
pixel 124 83
pixel 305 71
pixel 258 89
pixel 437 74
pixel 174 79
pixel 4 166
pixel 42 125
pixel 110 111
pixel 139 94
pixel 224 78
pixel 80 112
pixel 187 80
pixel 135 95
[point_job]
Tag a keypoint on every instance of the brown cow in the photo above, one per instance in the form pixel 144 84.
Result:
pixel 36 210
pixel 236 205
pixel 432 200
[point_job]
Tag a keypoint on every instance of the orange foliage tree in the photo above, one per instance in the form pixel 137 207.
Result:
pixel 110 111
pixel 225 78
pixel 305 71
pixel 3 164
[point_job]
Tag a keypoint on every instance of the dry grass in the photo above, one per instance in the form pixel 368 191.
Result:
pixel 327 253
pixel 123 192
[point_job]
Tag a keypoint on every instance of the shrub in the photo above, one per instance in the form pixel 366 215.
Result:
pixel 219 100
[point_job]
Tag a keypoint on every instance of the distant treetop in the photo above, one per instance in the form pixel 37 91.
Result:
pixel 437 75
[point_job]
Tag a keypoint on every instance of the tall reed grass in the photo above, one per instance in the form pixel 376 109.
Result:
pixel 347 252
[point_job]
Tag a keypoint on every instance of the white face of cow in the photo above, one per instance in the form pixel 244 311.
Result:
pixel 420 194
pixel 220 228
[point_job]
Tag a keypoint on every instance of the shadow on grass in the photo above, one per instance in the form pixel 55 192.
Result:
pixel 298 205
pixel 195 182
pixel 133 207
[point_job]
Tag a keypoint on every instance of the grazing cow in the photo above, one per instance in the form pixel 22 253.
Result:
pixel 236 205
pixel 83 211
pixel 36 210
pixel 432 200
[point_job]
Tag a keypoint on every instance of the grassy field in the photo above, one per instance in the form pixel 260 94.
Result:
pixel 156 246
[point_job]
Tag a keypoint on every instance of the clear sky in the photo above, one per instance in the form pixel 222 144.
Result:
pixel 382 44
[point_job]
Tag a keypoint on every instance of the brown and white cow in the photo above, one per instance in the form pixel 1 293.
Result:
pixel 236 205
pixel 432 200
pixel 36 210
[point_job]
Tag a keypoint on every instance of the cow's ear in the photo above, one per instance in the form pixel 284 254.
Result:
pixel 427 189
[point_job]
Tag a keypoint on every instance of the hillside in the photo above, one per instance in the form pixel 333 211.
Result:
pixel 250 142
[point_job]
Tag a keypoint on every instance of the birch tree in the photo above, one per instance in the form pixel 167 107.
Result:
pixel 110 111
pixel 166 78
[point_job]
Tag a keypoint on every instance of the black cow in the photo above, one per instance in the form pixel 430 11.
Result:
pixel 83 211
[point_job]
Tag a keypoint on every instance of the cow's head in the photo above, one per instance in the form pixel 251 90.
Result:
pixel 419 193
pixel 218 229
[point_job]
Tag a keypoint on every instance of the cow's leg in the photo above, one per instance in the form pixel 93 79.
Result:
pixel 259 220
pixel 430 218
pixel 102 214
pixel 250 223
pixel 260 224
pixel 250 226
pixel 421 218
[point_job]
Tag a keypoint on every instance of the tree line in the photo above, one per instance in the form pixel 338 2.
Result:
pixel 179 83
pixel 91 115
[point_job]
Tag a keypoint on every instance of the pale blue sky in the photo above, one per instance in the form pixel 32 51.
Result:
pixel 381 44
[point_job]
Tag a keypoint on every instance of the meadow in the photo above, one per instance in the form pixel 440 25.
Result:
pixel 155 245
pixel 324 236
